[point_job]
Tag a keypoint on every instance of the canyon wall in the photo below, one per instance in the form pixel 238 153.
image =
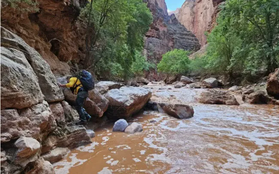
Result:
pixel 199 16
pixel 165 34
pixel 53 30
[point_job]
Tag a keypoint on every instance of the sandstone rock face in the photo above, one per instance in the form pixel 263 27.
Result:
pixel 161 4
pixel 69 112
pixel 30 122
pixel 165 34
pixel 16 72
pixel 56 155
pixel 199 16
pixel 120 125
pixel 218 97
pixel 42 167
pixel 74 137
pixel 178 110
pixel 27 147
pixel 58 112
pixel 273 84
pixel 126 101
pixel 55 32
pixel 133 128
pixel 46 79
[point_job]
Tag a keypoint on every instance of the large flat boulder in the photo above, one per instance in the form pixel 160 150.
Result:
pixel 104 86
pixel 272 87
pixel 30 122
pixel 126 101
pixel 23 51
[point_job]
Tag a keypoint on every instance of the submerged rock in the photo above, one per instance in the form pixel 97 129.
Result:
pixel 218 97
pixel 120 125
pixel 133 128
pixel 178 110
pixel 126 101
pixel 272 87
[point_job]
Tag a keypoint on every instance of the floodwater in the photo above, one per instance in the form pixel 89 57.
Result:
pixel 218 139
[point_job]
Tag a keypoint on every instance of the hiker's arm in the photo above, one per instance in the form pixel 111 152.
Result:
pixel 68 85
pixel 71 83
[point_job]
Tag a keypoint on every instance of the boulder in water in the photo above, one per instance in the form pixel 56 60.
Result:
pixel 120 125
pixel 126 101
pixel 180 111
pixel 133 128
pixel 217 97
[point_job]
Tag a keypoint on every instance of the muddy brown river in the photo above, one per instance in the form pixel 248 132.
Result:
pixel 218 139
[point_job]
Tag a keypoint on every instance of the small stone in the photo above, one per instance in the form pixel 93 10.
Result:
pixel 120 125
pixel 133 128
pixel 90 133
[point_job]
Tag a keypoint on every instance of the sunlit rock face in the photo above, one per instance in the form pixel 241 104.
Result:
pixel 199 16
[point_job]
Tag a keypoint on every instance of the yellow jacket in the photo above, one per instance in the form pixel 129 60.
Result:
pixel 74 82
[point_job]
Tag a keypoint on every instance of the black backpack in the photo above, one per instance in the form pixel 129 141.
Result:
pixel 86 80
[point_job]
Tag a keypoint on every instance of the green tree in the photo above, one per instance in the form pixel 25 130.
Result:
pixel 115 33
pixel 246 38
pixel 174 62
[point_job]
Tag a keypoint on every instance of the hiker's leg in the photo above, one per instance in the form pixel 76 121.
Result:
pixel 81 97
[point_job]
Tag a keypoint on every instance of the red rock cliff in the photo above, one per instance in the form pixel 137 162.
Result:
pixel 199 16
pixel 54 31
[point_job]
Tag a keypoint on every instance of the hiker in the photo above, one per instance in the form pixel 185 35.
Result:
pixel 80 85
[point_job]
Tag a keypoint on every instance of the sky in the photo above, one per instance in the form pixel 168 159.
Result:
pixel 174 4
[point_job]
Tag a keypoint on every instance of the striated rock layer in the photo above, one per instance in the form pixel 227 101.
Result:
pixel 199 16
pixel 165 34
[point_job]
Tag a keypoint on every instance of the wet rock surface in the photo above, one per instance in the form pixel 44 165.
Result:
pixel 133 128
pixel 56 154
pixel 126 101
pixel 120 125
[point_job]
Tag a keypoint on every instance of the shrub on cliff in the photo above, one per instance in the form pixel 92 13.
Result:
pixel 174 62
